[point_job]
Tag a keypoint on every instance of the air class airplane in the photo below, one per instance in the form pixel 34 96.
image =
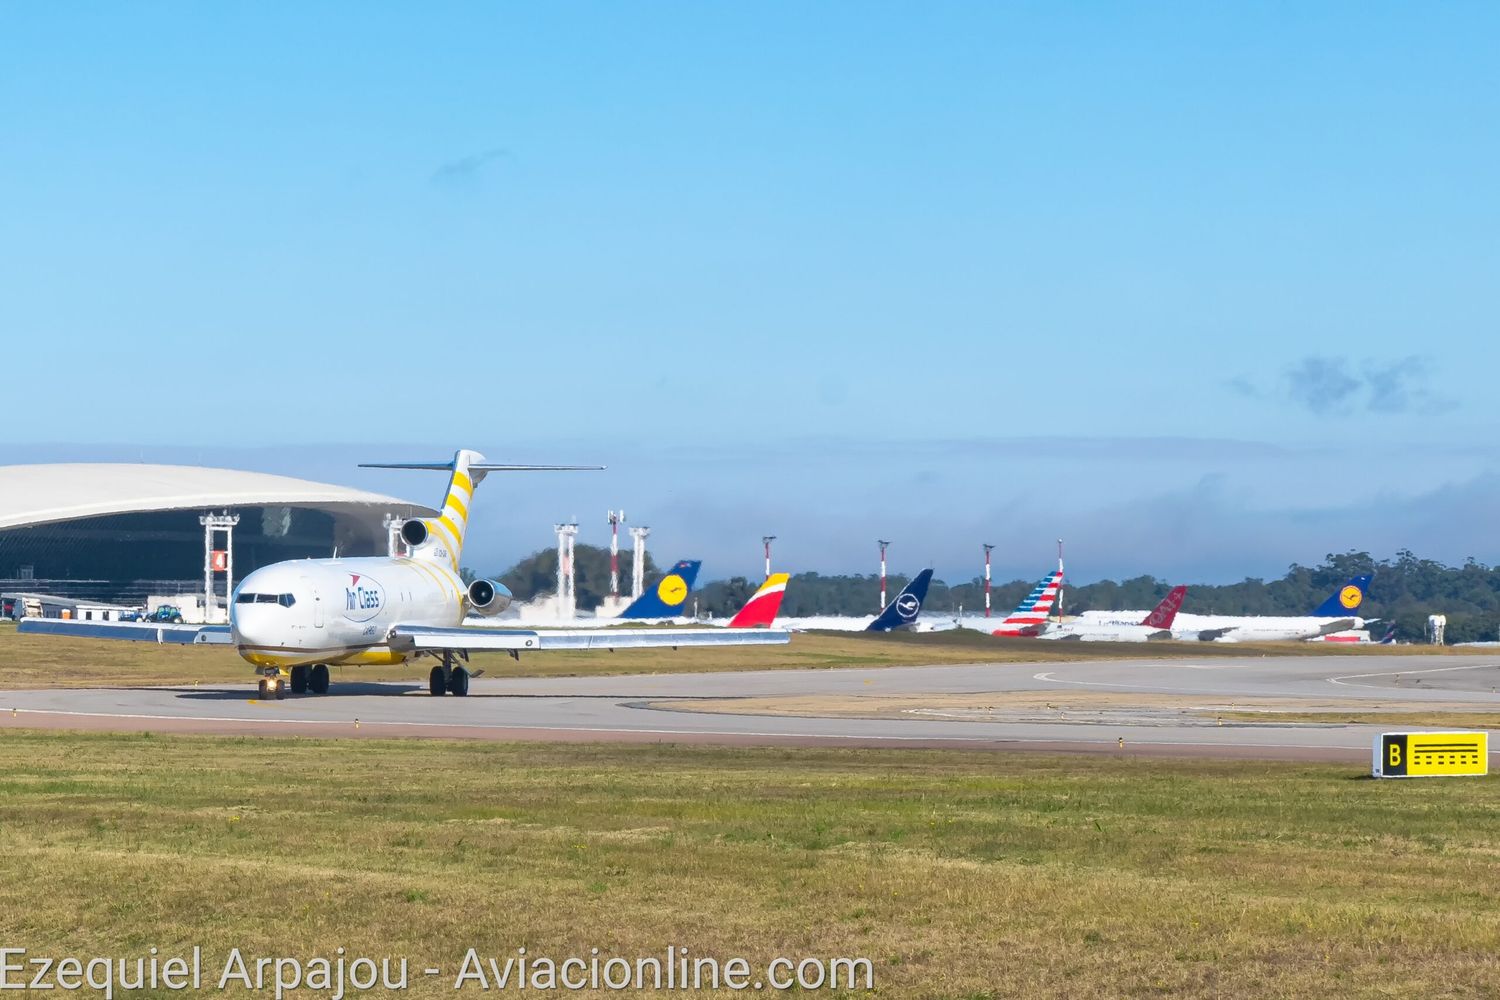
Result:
pixel 292 619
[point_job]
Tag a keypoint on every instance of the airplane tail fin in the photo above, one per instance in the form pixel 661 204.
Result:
pixel 903 611
pixel 668 597
pixel 760 611
pixel 441 538
pixel 1030 616
pixel 1167 610
pixel 1346 600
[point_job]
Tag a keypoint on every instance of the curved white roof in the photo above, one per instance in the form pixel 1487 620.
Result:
pixel 42 494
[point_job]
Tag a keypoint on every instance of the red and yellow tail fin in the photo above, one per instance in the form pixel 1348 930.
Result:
pixel 760 611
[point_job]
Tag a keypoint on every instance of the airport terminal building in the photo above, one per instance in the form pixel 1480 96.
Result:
pixel 119 532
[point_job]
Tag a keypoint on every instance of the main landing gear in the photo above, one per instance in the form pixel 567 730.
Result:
pixel 274 683
pixel 448 677
pixel 310 678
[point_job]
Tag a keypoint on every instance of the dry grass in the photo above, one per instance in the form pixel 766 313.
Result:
pixel 959 875
pixel 30 661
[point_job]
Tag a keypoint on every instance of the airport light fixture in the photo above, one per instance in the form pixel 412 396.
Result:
pixel 988 548
pixel 217 561
pixel 767 540
pixel 615 517
pixel 883 543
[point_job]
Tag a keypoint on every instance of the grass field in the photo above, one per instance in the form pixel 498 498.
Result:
pixel 28 661
pixel 959 875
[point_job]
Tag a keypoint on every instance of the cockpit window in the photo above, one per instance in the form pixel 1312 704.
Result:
pixel 285 600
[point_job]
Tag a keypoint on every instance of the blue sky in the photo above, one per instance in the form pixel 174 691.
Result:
pixel 1204 290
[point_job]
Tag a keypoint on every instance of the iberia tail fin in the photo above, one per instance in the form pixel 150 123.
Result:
pixel 1167 610
pixel 760 611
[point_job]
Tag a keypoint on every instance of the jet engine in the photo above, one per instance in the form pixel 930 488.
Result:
pixel 415 534
pixel 488 598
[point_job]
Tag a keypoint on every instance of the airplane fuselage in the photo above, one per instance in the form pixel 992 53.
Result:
pixel 340 610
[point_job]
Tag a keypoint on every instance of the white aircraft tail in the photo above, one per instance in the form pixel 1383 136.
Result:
pixel 441 538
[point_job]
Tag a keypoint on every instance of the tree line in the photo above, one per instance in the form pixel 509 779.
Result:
pixel 1406 589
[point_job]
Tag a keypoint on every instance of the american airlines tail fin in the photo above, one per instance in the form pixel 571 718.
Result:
pixel 1346 600
pixel 760 611
pixel 903 611
pixel 668 598
pixel 1030 616
pixel 441 538
pixel 1166 611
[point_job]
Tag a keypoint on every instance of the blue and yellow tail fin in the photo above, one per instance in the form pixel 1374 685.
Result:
pixel 1346 600
pixel 668 597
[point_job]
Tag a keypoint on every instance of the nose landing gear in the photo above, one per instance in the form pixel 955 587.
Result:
pixel 273 684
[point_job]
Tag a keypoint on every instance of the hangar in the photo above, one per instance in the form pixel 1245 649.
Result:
pixel 118 532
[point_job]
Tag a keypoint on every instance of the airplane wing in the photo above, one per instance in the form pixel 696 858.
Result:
pixel 215 635
pixel 1336 625
pixel 420 638
pixel 1210 634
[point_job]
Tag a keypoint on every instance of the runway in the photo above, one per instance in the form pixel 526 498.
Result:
pixel 1137 706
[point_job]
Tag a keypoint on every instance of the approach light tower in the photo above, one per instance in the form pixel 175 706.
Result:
pixel 638 561
pixel 883 543
pixel 767 540
pixel 217 561
pixel 988 548
pixel 615 517
pixel 567 597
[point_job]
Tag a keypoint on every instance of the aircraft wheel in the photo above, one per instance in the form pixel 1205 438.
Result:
pixel 458 682
pixel 299 680
pixel 281 690
pixel 436 685
pixel 265 690
pixel 317 680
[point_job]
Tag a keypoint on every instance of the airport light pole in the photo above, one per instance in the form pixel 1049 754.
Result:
pixel 212 524
pixel 638 560
pixel 883 544
pixel 1059 582
pixel 767 540
pixel 615 517
pixel 988 548
pixel 567 600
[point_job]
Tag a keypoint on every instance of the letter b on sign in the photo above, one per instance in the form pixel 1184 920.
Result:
pixel 1393 755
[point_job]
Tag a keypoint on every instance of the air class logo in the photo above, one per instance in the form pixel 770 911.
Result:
pixel 1350 596
pixel 907 606
pixel 363 598
pixel 672 590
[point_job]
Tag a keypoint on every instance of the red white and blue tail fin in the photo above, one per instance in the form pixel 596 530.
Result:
pixel 760 611
pixel 1030 616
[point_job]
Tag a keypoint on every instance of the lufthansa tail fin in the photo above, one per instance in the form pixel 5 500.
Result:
pixel 760 611
pixel 1346 600
pixel 903 611
pixel 441 538
pixel 1166 611
pixel 668 598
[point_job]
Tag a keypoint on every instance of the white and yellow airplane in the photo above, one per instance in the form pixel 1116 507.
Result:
pixel 293 619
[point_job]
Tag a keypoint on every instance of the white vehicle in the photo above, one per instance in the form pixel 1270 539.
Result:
pixel 1154 627
pixel 1337 614
pixel 293 619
